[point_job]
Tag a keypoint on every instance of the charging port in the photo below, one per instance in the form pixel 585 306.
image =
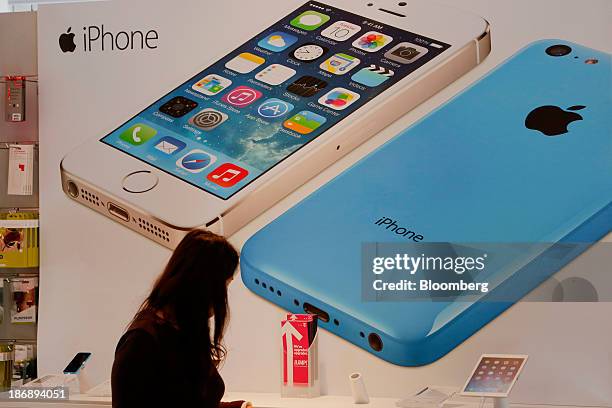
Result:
pixel 310 309
pixel 118 212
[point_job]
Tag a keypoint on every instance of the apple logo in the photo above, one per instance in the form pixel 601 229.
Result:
pixel 66 41
pixel 552 120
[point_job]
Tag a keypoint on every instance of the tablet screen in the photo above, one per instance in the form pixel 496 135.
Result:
pixel 495 374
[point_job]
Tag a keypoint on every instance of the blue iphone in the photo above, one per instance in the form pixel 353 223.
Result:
pixel 522 156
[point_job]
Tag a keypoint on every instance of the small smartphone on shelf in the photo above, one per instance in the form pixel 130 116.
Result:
pixel 77 363
pixel 521 161
pixel 261 120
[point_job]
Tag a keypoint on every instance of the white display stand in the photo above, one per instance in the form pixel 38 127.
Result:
pixel 358 389
pixel 501 402
pixel 85 383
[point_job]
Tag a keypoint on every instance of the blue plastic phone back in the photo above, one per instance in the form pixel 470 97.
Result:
pixel 471 171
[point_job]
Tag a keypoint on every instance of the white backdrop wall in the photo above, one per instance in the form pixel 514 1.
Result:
pixel 95 273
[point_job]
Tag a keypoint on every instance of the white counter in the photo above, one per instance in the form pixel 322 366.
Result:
pixel 264 400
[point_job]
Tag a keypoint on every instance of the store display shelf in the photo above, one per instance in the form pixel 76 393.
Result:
pixel 11 272
pixel 6 144
pixel 12 340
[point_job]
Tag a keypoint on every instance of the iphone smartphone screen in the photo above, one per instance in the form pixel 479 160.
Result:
pixel 287 86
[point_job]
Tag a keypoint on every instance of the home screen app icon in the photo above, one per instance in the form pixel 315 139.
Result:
pixel 306 86
pixel 277 41
pixel 339 98
pixel 310 20
pixel 227 175
pixel 242 96
pixel 304 122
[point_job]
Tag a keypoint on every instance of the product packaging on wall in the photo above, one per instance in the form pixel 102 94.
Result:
pixel 1 300
pixel 15 94
pixel 19 240
pixel 19 228
pixel 25 299
pixel 21 170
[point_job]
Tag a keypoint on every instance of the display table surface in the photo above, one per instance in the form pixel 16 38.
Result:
pixel 266 400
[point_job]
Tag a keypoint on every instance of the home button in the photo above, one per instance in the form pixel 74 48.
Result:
pixel 140 181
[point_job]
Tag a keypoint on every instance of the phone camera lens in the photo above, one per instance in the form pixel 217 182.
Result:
pixel 375 342
pixel 558 50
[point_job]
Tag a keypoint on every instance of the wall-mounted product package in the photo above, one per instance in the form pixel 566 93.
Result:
pixel 19 240
pixel 21 170
pixel 25 300
pixel 7 356
pixel 1 300
pixel 300 362
pixel 15 98
pixel 24 368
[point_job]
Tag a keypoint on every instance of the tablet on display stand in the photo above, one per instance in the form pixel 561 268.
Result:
pixel 494 376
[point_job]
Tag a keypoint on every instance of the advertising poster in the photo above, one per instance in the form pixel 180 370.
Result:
pixel 430 183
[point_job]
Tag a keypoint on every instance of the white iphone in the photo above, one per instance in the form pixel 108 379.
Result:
pixel 266 117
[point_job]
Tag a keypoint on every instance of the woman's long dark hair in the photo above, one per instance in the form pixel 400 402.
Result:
pixel 193 287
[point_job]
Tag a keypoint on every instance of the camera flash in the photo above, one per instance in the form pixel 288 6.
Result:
pixel 591 61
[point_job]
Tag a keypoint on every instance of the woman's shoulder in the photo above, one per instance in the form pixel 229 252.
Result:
pixel 136 340
pixel 145 328
pixel 133 354
pixel 144 320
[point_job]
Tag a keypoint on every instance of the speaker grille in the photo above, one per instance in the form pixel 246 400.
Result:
pixel 154 229
pixel 91 198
